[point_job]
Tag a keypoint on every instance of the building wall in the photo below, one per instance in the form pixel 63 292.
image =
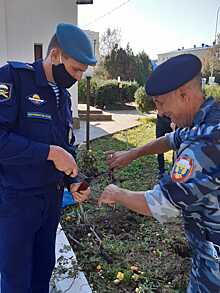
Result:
pixel 25 22
pixel 3 39
pixel 30 22
pixel 94 37
pixel 199 52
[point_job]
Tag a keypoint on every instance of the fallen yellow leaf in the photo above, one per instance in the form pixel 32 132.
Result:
pixel 120 276
pixel 99 267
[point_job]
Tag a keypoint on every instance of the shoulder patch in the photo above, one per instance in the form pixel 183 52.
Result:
pixel 182 169
pixel 5 92
pixel 20 65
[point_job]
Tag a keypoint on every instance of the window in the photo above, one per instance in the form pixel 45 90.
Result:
pixel 38 51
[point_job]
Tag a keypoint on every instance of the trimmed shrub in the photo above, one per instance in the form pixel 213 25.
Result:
pixel 143 102
pixel 108 94
pixel 128 90
pixel 213 90
pixel 82 91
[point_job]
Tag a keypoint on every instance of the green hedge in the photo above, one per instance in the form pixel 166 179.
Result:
pixel 213 90
pixel 82 91
pixel 106 93
pixel 143 102
pixel 128 91
pixel 110 94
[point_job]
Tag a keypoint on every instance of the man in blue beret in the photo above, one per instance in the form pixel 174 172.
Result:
pixel 193 186
pixel 37 157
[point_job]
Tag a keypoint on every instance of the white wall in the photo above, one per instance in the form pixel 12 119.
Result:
pixel 25 22
pixel 30 22
pixel 94 38
pixel 199 52
pixel 3 39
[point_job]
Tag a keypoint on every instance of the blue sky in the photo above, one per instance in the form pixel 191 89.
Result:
pixel 155 26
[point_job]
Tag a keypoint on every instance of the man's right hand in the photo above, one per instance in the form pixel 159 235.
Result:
pixel 120 159
pixel 63 160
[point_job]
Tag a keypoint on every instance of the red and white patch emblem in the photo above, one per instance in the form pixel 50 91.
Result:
pixel 182 169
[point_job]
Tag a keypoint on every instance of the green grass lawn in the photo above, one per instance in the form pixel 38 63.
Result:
pixel 137 254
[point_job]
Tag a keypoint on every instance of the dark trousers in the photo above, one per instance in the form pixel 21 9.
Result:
pixel 161 130
pixel 28 224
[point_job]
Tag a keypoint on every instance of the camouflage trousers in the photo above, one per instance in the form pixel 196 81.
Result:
pixel 205 273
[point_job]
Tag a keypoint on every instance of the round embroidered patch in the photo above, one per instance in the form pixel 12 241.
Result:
pixel 182 169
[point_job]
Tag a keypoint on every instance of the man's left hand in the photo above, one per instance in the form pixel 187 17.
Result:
pixel 81 195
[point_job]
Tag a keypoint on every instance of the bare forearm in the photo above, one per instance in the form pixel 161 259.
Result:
pixel 134 201
pixel 156 146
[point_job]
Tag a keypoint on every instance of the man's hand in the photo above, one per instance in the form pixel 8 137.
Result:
pixel 63 160
pixel 120 159
pixel 81 195
pixel 133 200
pixel 109 195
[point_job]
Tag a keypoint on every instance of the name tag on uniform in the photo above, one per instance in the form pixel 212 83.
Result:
pixel 39 115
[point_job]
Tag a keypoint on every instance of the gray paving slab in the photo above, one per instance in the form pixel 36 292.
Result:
pixel 121 120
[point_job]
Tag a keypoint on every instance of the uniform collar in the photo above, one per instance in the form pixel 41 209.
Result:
pixel 40 75
pixel 204 109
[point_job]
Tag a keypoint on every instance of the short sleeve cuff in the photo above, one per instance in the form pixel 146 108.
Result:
pixel 170 140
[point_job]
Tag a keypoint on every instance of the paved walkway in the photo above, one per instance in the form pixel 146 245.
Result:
pixel 121 120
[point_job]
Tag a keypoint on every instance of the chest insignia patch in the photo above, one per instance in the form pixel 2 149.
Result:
pixel 36 100
pixel 5 92
pixel 182 169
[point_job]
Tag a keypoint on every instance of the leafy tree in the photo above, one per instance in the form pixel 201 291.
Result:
pixel 109 39
pixel 211 63
pixel 122 62
pixel 117 61
pixel 143 68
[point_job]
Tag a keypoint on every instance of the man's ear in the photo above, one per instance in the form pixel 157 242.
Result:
pixel 55 55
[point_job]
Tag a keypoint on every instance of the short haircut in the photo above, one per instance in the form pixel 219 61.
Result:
pixel 55 44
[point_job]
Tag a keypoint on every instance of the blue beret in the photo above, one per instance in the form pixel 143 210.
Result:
pixel 172 74
pixel 75 43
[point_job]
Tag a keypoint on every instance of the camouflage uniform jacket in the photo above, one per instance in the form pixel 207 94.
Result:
pixel 193 189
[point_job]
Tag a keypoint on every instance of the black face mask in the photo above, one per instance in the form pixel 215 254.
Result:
pixel 61 76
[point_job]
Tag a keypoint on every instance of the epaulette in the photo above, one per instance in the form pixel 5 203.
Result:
pixel 20 65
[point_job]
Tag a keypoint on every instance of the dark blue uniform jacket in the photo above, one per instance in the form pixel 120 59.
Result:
pixel 30 121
